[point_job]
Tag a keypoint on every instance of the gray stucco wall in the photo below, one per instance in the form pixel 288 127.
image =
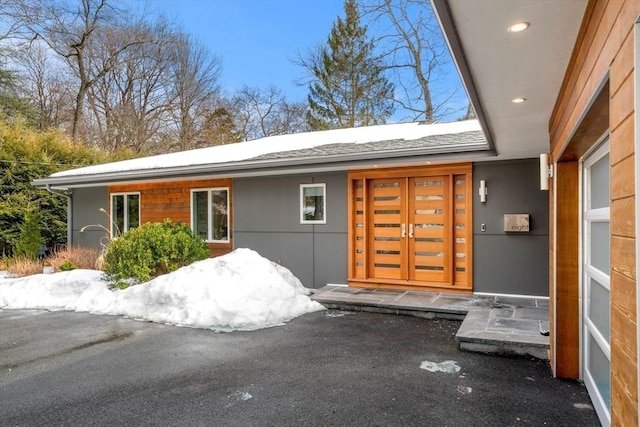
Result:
pixel 86 204
pixel 510 263
pixel 266 218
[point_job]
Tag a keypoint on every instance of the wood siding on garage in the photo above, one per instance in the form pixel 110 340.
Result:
pixel 161 200
pixel 602 61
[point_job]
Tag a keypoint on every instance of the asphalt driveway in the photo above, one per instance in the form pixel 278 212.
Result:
pixel 327 368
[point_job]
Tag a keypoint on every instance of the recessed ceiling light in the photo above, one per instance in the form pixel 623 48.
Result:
pixel 518 100
pixel 518 26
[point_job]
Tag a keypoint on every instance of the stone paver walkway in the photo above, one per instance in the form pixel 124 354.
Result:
pixel 490 324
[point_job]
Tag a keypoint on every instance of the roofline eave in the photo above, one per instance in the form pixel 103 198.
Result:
pixel 268 166
pixel 445 19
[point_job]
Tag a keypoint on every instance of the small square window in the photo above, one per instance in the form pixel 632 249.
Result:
pixel 313 203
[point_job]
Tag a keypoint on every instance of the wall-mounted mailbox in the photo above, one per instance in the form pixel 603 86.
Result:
pixel 516 223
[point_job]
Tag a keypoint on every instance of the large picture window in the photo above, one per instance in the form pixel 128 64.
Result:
pixel 313 204
pixel 210 214
pixel 125 212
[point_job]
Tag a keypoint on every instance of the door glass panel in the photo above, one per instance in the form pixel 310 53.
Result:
pixel 600 183
pixel 117 215
pixel 598 304
pixel 599 368
pixel 220 215
pixel 600 246
pixel 133 211
pixel 200 220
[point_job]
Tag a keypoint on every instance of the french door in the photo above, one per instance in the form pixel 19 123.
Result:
pixel 596 343
pixel 412 229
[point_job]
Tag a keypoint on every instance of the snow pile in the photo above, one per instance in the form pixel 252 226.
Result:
pixel 238 291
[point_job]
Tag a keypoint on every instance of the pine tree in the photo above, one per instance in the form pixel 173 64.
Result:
pixel 348 88
pixel 28 244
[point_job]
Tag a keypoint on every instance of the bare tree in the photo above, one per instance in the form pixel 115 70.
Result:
pixel 129 104
pixel 192 86
pixel 265 112
pixel 71 30
pixel 47 86
pixel 416 52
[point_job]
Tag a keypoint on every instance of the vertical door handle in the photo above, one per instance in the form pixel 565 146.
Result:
pixel 411 231
pixel 404 230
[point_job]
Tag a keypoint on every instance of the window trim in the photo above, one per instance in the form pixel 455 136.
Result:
pixel 209 190
pixel 125 220
pixel 324 203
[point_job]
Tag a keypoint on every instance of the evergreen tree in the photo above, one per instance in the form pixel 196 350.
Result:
pixel 28 244
pixel 348 88
pixel 25 155
pixel 12 104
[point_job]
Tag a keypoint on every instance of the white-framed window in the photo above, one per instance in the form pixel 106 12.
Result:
pixel 125 212
pixel 210 214
pixel 313 203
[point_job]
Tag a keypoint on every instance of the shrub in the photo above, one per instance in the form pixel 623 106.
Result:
pixel 151 250
pixel 67 265
pixel 22 266
pixel 75 256
pixel 30 239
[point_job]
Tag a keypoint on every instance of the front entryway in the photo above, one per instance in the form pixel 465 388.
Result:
pixel 411 228
pixel 596 345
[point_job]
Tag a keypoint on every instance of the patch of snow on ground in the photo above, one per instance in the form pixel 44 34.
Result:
pixel 448 366
pixel 238 291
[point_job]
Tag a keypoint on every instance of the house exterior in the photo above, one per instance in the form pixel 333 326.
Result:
pixel 383 206
pixel 467 207
pixel 576 69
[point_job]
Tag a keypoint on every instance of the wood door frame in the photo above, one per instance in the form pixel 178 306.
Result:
pixel 459 283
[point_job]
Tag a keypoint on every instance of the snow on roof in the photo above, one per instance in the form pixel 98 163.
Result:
pixel 278 144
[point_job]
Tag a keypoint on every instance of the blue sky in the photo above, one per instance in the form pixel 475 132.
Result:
pixel 256 39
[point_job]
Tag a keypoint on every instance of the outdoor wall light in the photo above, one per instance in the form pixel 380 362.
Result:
pixel 546 172
pixel 483 191
pixel 518 26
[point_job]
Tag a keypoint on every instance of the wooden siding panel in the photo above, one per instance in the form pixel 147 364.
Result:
pixel 624 411
pixel 621 106
pixel 623 368
pixel 591 69
pixel 623 294
pixel 623 335
pixel 624 211
pixel 623 179
pixel 172 200
pixel 566 104
pixel 622 141
pixel 623 256
pixel 622 66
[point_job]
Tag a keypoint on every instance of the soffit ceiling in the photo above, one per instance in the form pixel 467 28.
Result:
pixel 504 65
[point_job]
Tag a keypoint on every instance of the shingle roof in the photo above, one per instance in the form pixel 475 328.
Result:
pixel 459 141
pixel 339 148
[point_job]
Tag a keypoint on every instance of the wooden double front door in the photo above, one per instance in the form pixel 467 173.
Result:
pixel 411 228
